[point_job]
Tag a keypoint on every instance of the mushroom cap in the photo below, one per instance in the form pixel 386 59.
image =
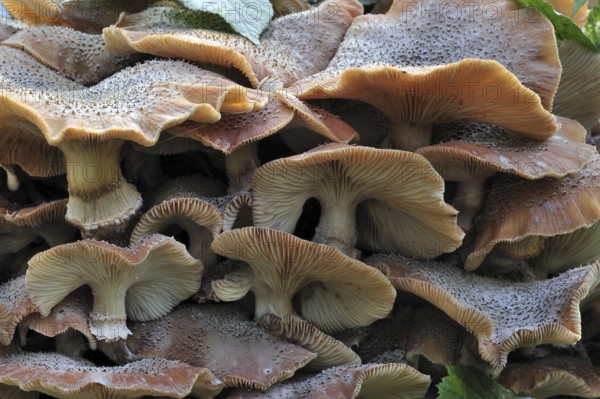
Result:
pixel 422 95
pixel 287 52
pixel 65 378
pixel 549 377
pixel 334 292
pixel 520 39
pixel 238 211
pixel 15 305
pixel 544 207
pixel 77 55
pixel 381 185
pixel 566 6
pixel 369 381
pixel 143 282
pixel 477 150
pixel 330 352
pixel 578 94
pixel 222 339
pixel 503 315
pixel 158 94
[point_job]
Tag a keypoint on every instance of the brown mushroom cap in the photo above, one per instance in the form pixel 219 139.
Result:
pixel 503 315
pixel 67 378
pixel 330 352
pixel 549 377
pixel 517 209
pixel 287 51
pixel 222 339
pixel 358 188
pixel 15 305
pixel 132 283
pixel 333 291
pixel 77 55
pixel 369 381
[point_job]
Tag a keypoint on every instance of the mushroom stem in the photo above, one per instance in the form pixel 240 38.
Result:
pixel 99 196
pixel 272 302
pixel 337 227
pixel 12 180
pixel 468 200
pixel 409 136
pixel 240 166
pixel 108 313
pixel 200 238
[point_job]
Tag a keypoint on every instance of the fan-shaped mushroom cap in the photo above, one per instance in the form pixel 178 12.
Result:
pixel 76 55
pixel 35 12
pixel 142 283
pixel 190 203
pixel 578 95
pixel 330 352
pixel 72 313
pixel 470 153
pixel 544 207
pixel 288 51
pixel 66 378
pixel 416 84
pixel 223 340
pixel 15 305
pixel 21 227
pixel 503 315
pixel 376 198
pixel 89 124
pixel 549 377
pixel 369 381
pixel 334 292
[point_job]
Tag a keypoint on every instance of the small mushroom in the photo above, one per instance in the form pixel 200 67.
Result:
pixel 333 292
pixel 143 282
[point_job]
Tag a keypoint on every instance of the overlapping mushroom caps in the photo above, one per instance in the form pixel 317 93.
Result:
pixel 502 314
pixel 470 153
pixel 288 50
pixel 89 125
pixel 388 61
pixel 66 378
pixel 141 283
pixel 15 305
pixel 523 213
pixel 369 381
pixel 380 200
pixel 220 338
pixel 332 291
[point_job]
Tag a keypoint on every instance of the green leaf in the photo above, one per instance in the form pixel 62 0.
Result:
pixel 469 382
pixel 564 28
pixel 577 4
pixel 247 17
pixel 592 26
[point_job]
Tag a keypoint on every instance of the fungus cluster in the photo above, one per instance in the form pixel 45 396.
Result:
pixel 367 197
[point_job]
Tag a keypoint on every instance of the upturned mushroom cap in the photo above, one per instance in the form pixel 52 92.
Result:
pixel 330 352
pixel 77 55
pixel 544 207
pixel 578 95
pixel 89 124
pixel 503 315
pixel 21 227
pixel 15 305
pixel 143 282
pixel 288 51
pixel 333 292
pixel 67 378
pixel 359 188
pixel 238 211
pixel 549 377
pixel 369 381
pixel 72 313
pixel 222 339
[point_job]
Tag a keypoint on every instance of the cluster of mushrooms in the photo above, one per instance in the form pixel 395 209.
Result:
pixel 340 212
